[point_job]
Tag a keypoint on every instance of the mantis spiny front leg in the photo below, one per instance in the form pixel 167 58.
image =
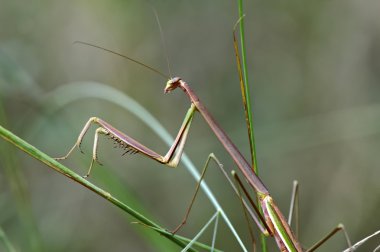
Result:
pixel 171 158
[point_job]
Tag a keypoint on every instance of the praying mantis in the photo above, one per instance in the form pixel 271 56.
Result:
pixel 272 222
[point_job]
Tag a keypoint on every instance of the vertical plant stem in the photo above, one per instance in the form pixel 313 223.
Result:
pixel 248 109
pixel 246 89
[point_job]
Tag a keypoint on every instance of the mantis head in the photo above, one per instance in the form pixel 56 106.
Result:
pixel 172 84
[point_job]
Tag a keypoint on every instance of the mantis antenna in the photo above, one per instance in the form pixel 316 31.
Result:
pixel 162 40
pixel 125 57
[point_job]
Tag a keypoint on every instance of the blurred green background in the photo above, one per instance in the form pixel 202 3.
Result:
pixel 315 76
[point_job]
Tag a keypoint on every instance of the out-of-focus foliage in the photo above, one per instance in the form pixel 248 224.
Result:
pixel 315 76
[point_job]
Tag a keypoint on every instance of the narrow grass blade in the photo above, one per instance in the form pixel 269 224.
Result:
pixel 244 84
pixel 361 242
pixel 215 232
pixel 247 102
pixel 200 232
pixel 193 242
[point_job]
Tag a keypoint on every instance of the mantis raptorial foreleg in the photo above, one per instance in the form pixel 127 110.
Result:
pixel 171 158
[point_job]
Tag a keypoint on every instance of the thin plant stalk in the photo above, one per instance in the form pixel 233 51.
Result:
pixel 247 105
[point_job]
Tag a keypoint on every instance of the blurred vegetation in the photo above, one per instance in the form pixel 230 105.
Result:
pixel 315 71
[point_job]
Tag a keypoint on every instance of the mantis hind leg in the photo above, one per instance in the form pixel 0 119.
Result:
pixel 339 227
pixel 294 209
pixel 212 157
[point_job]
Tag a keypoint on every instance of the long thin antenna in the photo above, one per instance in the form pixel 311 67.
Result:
pixel 162 39
pixel 126 57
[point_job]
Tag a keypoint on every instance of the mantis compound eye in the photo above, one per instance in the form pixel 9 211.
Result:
pixel 172 84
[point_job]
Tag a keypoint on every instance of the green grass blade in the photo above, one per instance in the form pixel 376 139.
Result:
pixel 201 231
pixel 361 242
pixel 52 163
pixel 245 92
pixel 195 243
pixel 247 104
